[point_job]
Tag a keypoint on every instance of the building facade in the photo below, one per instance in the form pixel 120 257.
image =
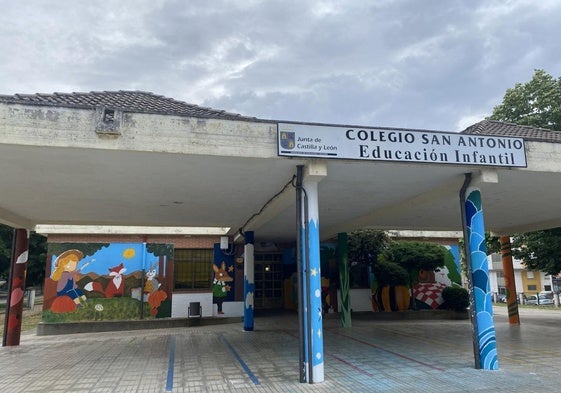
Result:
pixel 528 282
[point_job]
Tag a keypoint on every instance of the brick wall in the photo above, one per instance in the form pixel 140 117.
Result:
pixel 178 241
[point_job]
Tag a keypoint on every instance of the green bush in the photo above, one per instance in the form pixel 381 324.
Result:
pixel 389 273
pixel 455 298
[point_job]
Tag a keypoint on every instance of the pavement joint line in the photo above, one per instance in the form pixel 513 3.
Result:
pixel 252 376
pixel 389 351
pixel 338 358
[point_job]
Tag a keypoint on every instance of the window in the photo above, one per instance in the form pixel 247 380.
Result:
pixel 193 269
pixel 530 274
pixel 532 288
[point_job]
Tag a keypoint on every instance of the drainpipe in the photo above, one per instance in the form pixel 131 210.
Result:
pixel 299 257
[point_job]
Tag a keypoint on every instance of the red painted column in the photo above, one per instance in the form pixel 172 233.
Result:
pixel 508 270
pixel 14 307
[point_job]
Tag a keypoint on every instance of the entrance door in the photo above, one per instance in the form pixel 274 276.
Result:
pixel 268 281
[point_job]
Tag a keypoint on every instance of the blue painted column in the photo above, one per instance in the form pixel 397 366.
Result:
pixel 248 281
pixel 313 306
pixel 485 344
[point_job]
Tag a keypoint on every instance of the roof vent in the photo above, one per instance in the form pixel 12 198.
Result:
pixel 108 115
pixel 108 121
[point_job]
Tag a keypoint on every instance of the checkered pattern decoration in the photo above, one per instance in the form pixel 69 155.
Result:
pixel 429 293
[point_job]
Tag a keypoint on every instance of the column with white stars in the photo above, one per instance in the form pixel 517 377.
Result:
pixel 310 184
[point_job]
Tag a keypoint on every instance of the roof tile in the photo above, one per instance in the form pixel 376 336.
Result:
pixel 499 128
pixel 128 101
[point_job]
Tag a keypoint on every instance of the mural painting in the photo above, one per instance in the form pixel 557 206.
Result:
pixel 427 291
pixel 224 277
pixel 94 281
pixel 221 284
pixel 424 289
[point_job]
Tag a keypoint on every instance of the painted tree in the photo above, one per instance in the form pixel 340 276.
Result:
pixel 536 103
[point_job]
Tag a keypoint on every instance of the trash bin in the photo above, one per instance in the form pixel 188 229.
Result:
pixel 194 310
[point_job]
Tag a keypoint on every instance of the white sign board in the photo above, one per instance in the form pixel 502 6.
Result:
pixel 377 144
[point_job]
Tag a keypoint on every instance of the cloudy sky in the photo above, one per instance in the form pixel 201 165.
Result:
pixel 428 64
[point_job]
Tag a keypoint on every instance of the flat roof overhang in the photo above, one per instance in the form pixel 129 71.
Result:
pixel 177 172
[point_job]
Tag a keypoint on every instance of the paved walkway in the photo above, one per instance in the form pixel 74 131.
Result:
pixel 372 356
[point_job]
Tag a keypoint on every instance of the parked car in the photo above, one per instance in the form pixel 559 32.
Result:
pixel 542 300
pixel 545 300
pixel 532 300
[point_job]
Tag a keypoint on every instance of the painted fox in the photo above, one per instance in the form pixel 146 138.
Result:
pixel 115 286
pixel 220 288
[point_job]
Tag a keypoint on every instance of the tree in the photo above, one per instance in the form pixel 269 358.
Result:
pixel 5 250
pixel 417 255
pixel 414 256
pixel 36 260
pixel 389 273
pixel 540 250
pixel 364 246
pixel 536 103
pixel 492 243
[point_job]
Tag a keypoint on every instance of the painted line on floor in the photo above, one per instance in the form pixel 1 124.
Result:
pixel 337 357
pixel 169 381
pixel 389 351
pixel 240 360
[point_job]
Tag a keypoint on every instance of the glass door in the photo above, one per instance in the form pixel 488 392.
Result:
pixel 268 281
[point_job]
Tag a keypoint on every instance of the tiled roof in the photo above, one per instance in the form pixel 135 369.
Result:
pixel 498 128
pixel 127 101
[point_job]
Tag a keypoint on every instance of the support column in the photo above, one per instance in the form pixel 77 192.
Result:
pixel 14 306
pixel 309 272
pixel 510 284
pixel 481 305
pixel 313 287
pixel 248 280
pixel 343 263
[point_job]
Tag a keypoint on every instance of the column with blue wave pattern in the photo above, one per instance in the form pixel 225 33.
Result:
pixel 484 334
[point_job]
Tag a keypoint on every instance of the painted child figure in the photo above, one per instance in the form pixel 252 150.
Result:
pixel 66 275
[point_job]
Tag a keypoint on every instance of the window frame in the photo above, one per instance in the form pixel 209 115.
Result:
pixel 190 266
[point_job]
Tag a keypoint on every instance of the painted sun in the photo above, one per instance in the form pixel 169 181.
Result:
pixel 128 253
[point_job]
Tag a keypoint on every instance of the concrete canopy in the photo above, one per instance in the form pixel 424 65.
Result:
pixel 66 163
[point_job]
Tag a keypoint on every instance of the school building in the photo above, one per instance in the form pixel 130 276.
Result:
pixel 139 194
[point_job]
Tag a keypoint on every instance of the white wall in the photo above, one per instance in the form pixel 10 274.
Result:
pixel 180 305
pixel 360 299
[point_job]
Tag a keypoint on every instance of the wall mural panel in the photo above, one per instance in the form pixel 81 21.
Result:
pixel 107 281
pixel 426 290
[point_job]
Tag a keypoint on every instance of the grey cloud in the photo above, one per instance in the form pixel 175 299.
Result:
pixel 404 64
